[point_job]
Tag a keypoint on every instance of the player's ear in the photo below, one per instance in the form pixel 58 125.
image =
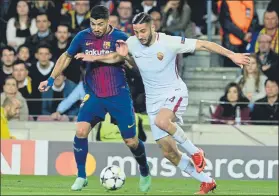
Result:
pixel 153 27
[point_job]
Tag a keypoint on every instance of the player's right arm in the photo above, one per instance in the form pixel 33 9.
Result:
pixel 121 54
pixel 62 63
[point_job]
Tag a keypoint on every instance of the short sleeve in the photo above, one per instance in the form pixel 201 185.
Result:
pixel 181 44
pixel 130 45
pixel 75 45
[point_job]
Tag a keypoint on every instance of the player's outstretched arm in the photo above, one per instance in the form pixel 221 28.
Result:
pixel 61 64
pixel 237 58
pixel 107 58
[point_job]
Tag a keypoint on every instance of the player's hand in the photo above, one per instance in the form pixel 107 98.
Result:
pixel 85 57
pixel 241 59
pixel 43 87
pixel 122 48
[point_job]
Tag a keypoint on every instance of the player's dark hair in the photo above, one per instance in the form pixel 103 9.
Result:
pixel 99 12
pixel 141 18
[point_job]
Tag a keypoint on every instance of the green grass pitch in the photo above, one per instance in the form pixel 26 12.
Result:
pixel 59 185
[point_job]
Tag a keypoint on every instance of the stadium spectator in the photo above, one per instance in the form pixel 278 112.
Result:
pixel 274 4
pixel 156 18
pixel 25 85
pixel 78 19
pixel 199 16
pixel 135 83
pixel 268 59
pixel 9 109
pixel 252 81
pixel 147 5
pixel 110 4
pixel 270 28
pixel 23 54
pixel 7 59
pixel 44 34
pixel 51 8
pixel 125 13
pixel 76 95
pixel 225 112
pixel 270 111
pixel 21 26
pixel 59 46
pixel 61 89
pixel 176 18
pixel 114 21
pixel 11 91
pixel 236 19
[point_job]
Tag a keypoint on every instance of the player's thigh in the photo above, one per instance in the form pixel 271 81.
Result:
pixel 120 107
pixel 175 106
pixel 91 110
pixel 157 133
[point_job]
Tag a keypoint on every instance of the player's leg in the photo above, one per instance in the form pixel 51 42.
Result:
pixel 89 115
pixel 165 120
pixel 182 161
pixel 121 108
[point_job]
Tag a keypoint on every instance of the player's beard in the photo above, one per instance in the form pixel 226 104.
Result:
pixel 149 39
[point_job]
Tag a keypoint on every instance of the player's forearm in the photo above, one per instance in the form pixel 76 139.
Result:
pixel 61 64
pixel 109 58
pixel 213 47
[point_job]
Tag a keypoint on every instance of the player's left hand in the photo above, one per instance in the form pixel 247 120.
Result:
pixel 241 59
pixel 85 57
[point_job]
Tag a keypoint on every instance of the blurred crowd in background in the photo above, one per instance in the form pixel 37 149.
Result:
pixel 35 33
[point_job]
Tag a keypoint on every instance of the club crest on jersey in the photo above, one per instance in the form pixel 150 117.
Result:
pixel 106 45
pixel 160 56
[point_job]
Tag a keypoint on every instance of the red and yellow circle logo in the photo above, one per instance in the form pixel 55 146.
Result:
pixel 66 165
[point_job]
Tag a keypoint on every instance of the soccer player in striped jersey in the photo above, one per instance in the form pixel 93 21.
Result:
pixel 106 91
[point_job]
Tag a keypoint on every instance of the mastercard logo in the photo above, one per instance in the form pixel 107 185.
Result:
pixel 66 165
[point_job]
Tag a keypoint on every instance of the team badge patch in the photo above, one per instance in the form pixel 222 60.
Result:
pixel 160 56
pixel 106 45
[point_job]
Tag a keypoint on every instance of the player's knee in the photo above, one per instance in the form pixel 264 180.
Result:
pixel 82 132
pixel 131 143
pixel 162 123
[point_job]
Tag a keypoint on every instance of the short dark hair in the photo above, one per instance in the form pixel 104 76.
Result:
pixel 141 18
pixel 271 80
pixel 7 48
pixel 41 13
pixel 63 25
pixel 22 46
pixel 17 62
pixel 99 12
pixel 43 46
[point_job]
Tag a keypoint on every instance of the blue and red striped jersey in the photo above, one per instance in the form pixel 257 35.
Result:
pixel 104 79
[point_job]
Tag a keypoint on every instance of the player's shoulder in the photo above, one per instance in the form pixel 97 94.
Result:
pixel 84 32
pixel 132 40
